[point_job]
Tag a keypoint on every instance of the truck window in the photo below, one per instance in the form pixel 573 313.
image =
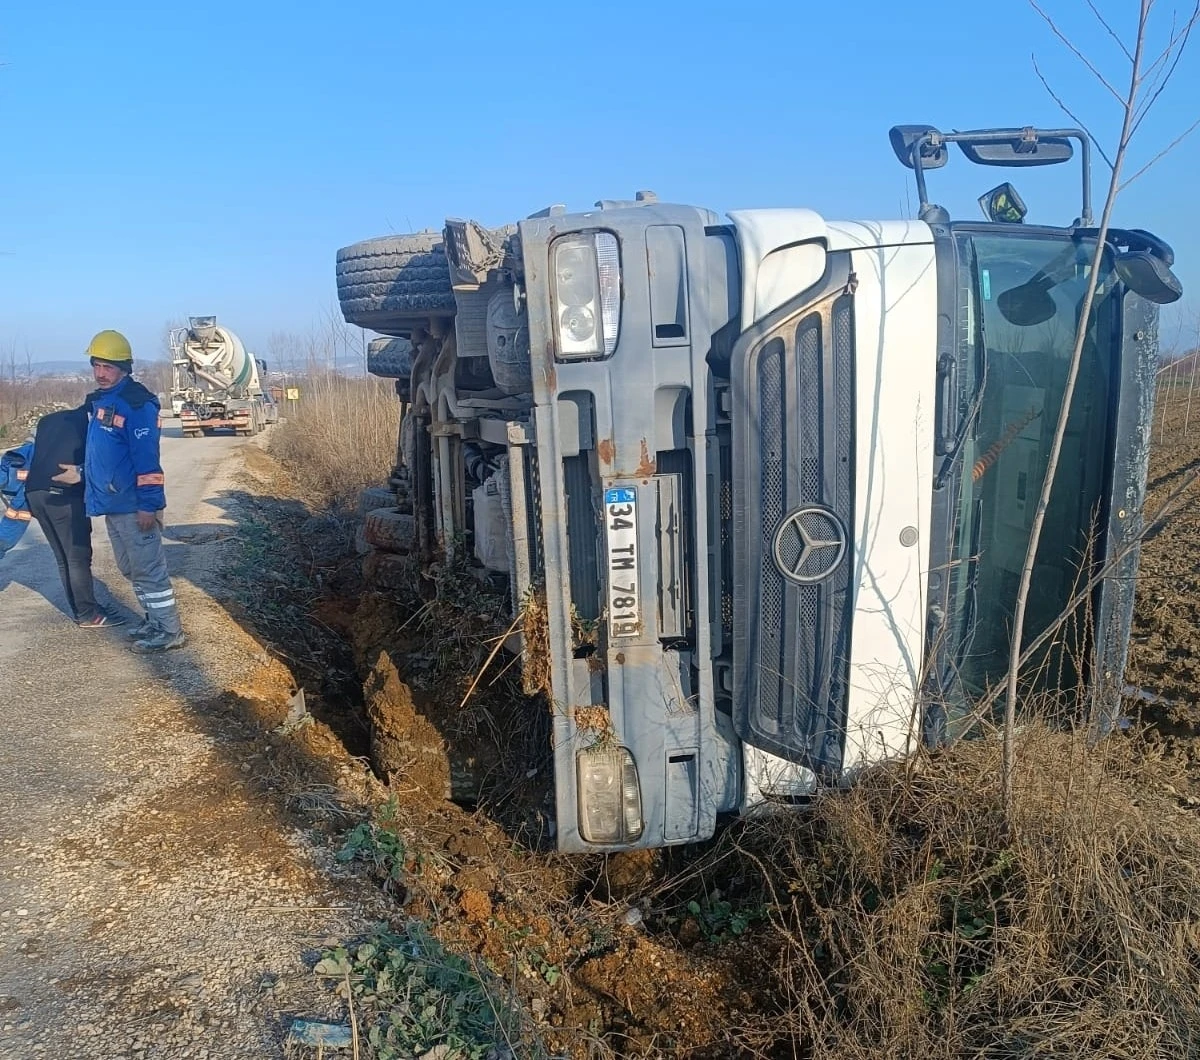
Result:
pixel 1020 299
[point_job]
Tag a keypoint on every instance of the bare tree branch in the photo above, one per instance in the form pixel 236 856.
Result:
pixel 1067 111
pixel 1175 39
pixel 1152 67
pixel 1156 90
pixel 1076 52
pixel 1128 105
pixel 1165 151
pixel 1100 18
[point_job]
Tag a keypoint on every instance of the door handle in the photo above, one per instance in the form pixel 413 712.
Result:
pixel 947 398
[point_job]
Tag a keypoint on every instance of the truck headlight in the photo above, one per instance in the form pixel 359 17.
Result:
pixel 610 798
pixel 587 295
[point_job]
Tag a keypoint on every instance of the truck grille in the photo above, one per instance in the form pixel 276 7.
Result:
pixel 583 535
pixel 793 521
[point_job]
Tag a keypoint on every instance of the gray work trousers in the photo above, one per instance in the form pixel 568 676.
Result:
pixel 142 559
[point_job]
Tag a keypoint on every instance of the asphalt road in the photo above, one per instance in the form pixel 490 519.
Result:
pixel 153 903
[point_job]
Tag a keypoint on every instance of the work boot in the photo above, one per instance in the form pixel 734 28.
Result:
pixel 142 630
pixel 160 640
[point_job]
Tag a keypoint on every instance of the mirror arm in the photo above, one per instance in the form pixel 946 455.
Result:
pixel 918 150
pixel 936 139
pixel 1085 150
pixel 1078 135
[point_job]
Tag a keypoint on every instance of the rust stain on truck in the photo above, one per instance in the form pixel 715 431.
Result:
pixel 648 466
pixel 606 450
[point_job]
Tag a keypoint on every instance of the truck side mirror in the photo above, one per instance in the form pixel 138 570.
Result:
pixel 905 137
pixel 1148 275
pixel 1028 304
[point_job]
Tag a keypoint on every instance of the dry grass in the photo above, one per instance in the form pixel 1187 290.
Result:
pixel 908 922
pixel 340 437
pixel 22 400
pixel 535 656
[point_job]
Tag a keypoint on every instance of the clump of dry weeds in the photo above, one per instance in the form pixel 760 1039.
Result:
pixel 340 437
pixel 535 654
pixel 910 922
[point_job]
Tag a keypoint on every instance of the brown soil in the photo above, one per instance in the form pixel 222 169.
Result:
pixel 688 953
pixel 1164 657
pixel 404 744
pixel 570 933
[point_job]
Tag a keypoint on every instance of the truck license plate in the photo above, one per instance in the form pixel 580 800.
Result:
pixel 620 521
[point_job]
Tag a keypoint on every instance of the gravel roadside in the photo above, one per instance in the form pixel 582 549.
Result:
pixel 157 896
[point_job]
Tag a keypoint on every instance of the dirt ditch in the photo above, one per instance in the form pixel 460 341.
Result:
pixel 807 935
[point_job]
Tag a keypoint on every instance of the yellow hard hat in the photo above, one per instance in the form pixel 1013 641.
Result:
pixel 110 346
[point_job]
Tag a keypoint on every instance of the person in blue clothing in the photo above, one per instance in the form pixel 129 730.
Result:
pixel 14 509
pixel 123 481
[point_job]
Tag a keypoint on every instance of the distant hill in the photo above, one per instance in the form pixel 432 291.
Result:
pixel 61 368
pixel 350 365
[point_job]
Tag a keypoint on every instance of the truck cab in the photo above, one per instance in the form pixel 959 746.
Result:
pixel 771 477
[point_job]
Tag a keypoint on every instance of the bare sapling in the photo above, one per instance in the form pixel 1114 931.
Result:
pixel 1146 80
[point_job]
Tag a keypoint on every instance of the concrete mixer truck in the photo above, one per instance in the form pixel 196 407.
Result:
pixel 215 383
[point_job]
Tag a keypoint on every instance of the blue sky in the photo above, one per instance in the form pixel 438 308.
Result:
pixel 166 159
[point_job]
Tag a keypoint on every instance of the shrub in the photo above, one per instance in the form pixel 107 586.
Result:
pixel 911 921
pixel 339 437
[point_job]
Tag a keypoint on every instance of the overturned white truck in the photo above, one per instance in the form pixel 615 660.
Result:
pixel 774 474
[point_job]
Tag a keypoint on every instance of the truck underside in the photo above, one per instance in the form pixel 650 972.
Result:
pixel 245 418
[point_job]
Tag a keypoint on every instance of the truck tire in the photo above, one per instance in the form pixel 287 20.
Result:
pixel 390 283
pixel 386 570
pixel 390 530
pixel 362 546
pixel 373 498
pixel 392 359
pixel 508 345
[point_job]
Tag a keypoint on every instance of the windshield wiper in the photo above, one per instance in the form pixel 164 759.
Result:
pixel 962 432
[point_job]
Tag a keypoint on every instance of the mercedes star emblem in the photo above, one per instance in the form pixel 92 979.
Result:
pixel 809 544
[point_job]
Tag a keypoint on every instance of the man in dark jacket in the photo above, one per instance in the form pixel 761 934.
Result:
pixel 59 510
pixel 123 481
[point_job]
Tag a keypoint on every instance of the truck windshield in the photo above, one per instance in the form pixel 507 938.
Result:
pixel 1020 299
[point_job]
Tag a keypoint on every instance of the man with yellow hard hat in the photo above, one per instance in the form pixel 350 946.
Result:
pixel 123 481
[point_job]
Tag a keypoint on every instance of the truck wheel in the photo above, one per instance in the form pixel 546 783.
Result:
pixel 392 359
pixel 363 547
pixel 384 570
pixel 390 283
pixel 390 530
pixel 373 498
